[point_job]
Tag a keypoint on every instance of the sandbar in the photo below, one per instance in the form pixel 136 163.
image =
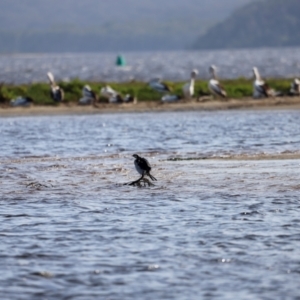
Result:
pixel 291 103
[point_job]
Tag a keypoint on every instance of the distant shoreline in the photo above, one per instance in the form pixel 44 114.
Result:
pixel 155 106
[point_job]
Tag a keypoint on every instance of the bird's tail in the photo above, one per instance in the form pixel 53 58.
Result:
pixel 152 177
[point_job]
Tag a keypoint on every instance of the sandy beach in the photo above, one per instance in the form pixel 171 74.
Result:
pixel 155 106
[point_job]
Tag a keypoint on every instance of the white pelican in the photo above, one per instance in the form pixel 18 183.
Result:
pixel 189 88
pixel 214 86
pixel 88 92
pixel 89 96
pixel 260 88
pixel 108 92
pixel 56 93
pixel 159 86
pixel 295 87
pixel 112 95
pixel 21 101
pixel 170 98
pixel 115 97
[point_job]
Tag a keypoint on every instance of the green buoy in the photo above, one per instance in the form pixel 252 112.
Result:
pixel 120 61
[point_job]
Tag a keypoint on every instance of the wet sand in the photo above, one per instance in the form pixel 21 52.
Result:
pixel 155 106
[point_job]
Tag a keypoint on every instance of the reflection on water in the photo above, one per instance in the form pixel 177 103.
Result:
pixel 210 228
pixel 172 65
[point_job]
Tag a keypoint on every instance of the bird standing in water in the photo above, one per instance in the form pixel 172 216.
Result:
pixel 143 167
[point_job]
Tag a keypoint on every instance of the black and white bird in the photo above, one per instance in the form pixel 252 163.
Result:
pixel 56 93
pixel 143 167
pixel 159 86
pixel 189 88
pixel 129 99
pixel 112 95
pixel 295 87
pixel 88 96
pixel 214 85
pixel 117 98
pixel 108 92
pixel 260 88
pixel 21 101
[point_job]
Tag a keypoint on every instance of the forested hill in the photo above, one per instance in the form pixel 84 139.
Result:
pixel 119 25
pixel 265 23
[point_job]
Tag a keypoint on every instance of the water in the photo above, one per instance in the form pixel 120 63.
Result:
pixel 214 228
pixel 143 66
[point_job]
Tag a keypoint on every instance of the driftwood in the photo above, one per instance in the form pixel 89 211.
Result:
pixel 37 185
pixel 141 182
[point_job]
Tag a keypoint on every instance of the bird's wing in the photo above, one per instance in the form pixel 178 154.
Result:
pixel 217 88
pixel 263 88
pixel 159 86
pixel 108 92
pixel 87 91
pixel 59 94
pixel 144 164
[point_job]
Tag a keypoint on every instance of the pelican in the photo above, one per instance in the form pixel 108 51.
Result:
pixel 88 92
pixel 189 88
pixel 108 92
pixel 159 86
pixel 214 86
pixel 88 96
pixel 295 87
pixel 260 88
pixel 21 101
pixel 56 93
pixel 170 98
pixel 112 95
pixel 115 97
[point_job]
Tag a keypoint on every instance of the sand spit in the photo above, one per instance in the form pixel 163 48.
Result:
pixel 155 106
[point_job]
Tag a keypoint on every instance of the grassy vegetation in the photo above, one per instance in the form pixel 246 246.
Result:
pixel 40 92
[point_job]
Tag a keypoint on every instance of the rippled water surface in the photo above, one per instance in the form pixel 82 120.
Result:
pixel 143 66
pixel 213 226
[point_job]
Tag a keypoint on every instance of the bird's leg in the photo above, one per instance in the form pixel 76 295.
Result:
pixel 137 181
pixel 147 181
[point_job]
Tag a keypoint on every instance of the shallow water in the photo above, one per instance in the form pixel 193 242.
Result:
pixel 143 66
pixel 210 228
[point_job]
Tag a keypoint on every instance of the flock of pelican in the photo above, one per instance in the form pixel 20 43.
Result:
pixel 260 90
pixel 188 89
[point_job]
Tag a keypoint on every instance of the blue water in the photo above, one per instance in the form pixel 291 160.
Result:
pixel 215 228
pixel 143 66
